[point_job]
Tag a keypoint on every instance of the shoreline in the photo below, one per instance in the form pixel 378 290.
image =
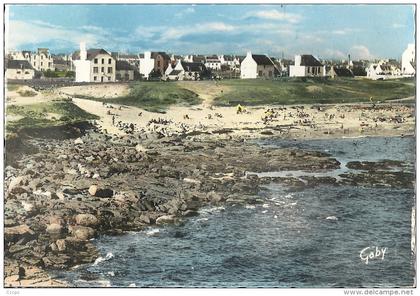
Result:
pixel 79 214
pixel 153 169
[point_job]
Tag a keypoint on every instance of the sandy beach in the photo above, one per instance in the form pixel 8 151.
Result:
pixel 302 121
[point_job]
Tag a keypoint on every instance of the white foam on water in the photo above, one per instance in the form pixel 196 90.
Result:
pixel 202 219
pixel 108 256
pixel 132 285
pixel 211 210
pixel 110 273
pixel 249 207
pixel 152 232
pixel 265 211
pixel 265 206
pixel 333 218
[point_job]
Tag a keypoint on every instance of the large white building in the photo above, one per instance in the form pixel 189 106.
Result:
pixel 40 61
pixel 146 65
pixel 408 61
pixel 257 66
pixel 94 65
pixel 307 66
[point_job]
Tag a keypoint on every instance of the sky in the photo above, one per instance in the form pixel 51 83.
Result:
pixel 326 31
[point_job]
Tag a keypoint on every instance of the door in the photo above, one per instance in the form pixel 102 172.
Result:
pixel 102 79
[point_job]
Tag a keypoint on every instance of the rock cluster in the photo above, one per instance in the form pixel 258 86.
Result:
pixel 70 191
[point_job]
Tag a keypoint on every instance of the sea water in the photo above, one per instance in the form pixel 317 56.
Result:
pixel 315 237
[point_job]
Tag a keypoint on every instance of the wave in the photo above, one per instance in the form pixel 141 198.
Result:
pixel 333 218
pixel 211 210
pixel 152 232
pixel 108 256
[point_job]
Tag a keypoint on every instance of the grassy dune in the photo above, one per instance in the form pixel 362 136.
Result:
pixel 155 96
pixel 41 115
pixel 298 91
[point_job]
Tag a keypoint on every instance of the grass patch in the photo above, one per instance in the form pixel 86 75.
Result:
pixel 37 115
pixel 12 87
pixel 27 93
pixel 308 91
pixel 155 96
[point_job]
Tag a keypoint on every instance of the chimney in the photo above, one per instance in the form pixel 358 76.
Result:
pixel 249 54
pixel 83 53
pixel 298 60
pixel 147 55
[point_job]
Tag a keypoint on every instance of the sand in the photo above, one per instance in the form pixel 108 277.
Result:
pixel 330 121
pixel 106 91
pixel 302 121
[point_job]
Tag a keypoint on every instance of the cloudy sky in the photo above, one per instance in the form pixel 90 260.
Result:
pixel 327 31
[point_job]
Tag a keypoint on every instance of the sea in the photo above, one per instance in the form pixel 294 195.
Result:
pixel 320 237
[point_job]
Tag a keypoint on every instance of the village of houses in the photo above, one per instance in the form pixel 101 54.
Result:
pixel 100 65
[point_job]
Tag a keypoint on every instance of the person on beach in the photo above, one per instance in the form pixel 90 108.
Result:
pixel 239 109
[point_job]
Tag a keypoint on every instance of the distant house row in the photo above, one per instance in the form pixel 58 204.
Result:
pixel 99 65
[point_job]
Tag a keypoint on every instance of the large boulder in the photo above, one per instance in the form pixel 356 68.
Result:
pixel 61 244
pixel 17 232
pixel 86 220
pixel 78 141
pixel 82 232
pixel 168 219
pixel 54 228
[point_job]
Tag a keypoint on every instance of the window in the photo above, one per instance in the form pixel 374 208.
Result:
pixel 103 61
pixel 109 61
pixel 109 70
pixel 18 72
pixel 42 57
pixel 102 69
pixel 126 76
pixel 109 78
pixel 34 64
pixel 260 73
pixel 95 61
pixel 26 72
pixel 49 64
pixel 95 78
pixel 42 64
pixel 95 69
pixel 158 63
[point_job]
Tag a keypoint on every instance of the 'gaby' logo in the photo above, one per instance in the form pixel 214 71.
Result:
pixel 371 253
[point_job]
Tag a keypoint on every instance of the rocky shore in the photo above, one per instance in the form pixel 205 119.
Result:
pixel 65 192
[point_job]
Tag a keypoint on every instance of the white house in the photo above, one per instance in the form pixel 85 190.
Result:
pixel 229 60
pixel 185 71
pixel 307 66
pixel 19 69
pixel 82 65
pixel 146 65
pixel 383 70
pixel 408 61
pixel 40 61
pixel 174 72
pixel 94 65
pixel 213 62
pixel 256 65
